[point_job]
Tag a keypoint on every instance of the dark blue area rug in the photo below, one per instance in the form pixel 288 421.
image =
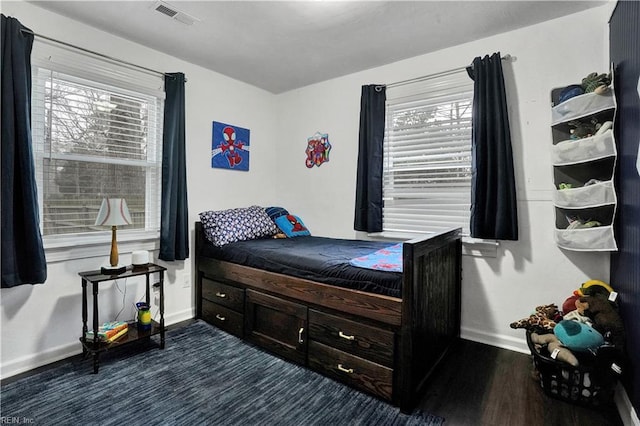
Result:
pixel 203 376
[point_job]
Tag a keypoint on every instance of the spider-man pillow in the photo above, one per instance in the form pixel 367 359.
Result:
pixel 292 226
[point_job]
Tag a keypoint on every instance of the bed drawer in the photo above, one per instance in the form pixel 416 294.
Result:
pixel 358 339
pixel 223 318
pixel 350 369
pixel 223 294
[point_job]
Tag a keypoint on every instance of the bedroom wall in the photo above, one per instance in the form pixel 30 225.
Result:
pixel 42 323
pixel 530 272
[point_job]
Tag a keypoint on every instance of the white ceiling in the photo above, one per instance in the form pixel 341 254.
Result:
pixel 279 46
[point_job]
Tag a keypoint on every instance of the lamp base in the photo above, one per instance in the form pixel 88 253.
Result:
pixel 113 270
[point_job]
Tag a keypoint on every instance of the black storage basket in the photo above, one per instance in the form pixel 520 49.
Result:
pixel 589 384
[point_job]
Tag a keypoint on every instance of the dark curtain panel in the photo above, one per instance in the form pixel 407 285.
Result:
pixel 174 224
pixel 493 189
pixel 23 260
pixel 624 51
pixel 368 212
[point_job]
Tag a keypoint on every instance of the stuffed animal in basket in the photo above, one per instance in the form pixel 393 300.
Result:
pixel 588 288
pixel 577 336
pixel 555 348
pixel 569 337
pixel 542 321
pixel 605 318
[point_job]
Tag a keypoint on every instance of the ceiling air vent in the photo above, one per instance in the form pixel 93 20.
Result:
pixel 173 12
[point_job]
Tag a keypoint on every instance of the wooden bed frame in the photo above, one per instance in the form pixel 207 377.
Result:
pixel 382 345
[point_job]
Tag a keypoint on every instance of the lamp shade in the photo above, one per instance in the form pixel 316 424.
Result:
pixel 113 212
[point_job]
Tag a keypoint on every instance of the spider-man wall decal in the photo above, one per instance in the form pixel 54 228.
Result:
pixel 318 148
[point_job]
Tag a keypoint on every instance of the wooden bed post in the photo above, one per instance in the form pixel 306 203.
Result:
pixel 197 275
pixel 430 325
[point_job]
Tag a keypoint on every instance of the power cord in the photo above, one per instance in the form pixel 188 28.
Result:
pixel 124 295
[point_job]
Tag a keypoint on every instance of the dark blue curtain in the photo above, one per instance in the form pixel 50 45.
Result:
pixel 23 259
pixel 174 223
pixel 368 211
pixel 493 189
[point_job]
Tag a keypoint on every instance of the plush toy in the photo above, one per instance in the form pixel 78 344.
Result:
pixel 605 318
pixel 569 304
pixel 594 287
pixel 577 336
pixel 588 288
pixel 583 129
pixel 570 92
pixel 596 81
pixel 542 321
pixel 577 316
pixel 555 348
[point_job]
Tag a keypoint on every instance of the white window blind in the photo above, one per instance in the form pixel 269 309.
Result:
pixel 97 132
pixel 427 155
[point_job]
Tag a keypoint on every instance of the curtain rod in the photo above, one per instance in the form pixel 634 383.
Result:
pixel 506 57
pixel 111 58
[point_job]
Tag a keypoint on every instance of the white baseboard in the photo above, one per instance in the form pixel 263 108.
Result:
pixel 29 362
pixel 500 341
pixel 625 408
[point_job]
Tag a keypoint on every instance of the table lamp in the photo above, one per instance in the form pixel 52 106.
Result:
pixel 113 212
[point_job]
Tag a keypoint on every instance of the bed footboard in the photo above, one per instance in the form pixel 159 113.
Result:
pixel 431 297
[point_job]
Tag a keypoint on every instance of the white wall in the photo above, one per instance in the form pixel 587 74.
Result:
pixel 527 273
pixel 42 323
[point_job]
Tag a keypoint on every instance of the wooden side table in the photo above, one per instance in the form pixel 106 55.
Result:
pixel 95 347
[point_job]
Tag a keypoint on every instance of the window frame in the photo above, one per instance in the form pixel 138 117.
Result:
pixel 61 247
pixel 471 246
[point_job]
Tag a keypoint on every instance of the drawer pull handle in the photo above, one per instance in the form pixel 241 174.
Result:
pixel 344 336
pixel 220 317
pixel 300 340
pixel 345 370
pixel 221 295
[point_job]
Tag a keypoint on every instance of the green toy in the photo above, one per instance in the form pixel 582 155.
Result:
pixel 594 81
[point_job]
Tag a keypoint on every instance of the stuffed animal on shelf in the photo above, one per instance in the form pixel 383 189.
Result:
pixel 595 82
pixel 542 321
pixel 583 129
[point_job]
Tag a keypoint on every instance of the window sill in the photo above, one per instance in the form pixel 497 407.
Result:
pixel 474 247
pixel 70 247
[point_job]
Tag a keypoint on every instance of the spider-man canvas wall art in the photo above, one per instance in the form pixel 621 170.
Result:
pixel 229 147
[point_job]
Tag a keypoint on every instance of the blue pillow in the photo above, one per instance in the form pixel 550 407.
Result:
pixel 276 212
pixel 292 226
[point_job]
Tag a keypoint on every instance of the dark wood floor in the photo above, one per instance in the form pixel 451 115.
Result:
pixel 483 385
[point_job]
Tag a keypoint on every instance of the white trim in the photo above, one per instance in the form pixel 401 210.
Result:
pixel 497 340
pixel 98 244
pixel 627 413
pixel 32 361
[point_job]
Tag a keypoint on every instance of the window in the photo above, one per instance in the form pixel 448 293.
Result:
pixel 427 155
pixel 96 134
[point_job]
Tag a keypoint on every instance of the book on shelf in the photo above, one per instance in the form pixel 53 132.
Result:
pixel 117 335
pixel 108 331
